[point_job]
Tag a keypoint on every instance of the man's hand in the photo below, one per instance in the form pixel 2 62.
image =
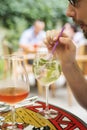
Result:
pixel 65 50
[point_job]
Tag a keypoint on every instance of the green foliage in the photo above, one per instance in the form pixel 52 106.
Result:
pixel 18 15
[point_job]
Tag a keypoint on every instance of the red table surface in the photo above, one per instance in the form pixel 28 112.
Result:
pixel 30 116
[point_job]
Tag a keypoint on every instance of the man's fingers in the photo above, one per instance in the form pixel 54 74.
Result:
pixel 52 37
pixel 48 33
pixel 64 40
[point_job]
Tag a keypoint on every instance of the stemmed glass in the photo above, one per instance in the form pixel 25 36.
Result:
pixel 46 72
pixel 3 108
pixel 14 85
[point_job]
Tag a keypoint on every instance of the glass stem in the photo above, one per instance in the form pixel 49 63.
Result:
pixel 47 93
pixel 13 116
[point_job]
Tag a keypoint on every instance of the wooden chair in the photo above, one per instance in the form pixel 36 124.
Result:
pixel 7 48
pixel 82 58
pixel 29 67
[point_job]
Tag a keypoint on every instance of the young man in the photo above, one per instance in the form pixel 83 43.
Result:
pixel 66 51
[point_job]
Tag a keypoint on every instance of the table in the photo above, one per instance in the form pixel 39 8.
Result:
pixel 31 119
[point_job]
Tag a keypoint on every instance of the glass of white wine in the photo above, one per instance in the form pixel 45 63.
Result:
pixel 46 72
pixel 14 85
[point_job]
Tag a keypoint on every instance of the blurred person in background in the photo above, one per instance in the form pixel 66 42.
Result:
pixel 70 30
pixel 32 37
pixel 30 41
pixel 76 35
pixel 66 51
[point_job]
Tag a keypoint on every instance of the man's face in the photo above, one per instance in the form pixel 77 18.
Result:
pixel 79 14
pixel 38 26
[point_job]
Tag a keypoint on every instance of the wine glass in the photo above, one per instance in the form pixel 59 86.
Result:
pixel 14 85
pixel 46 72
pixel 3 108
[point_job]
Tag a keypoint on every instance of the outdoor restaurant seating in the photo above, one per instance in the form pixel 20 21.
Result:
pixel 81 60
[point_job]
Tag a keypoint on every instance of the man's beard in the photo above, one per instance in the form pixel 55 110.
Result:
pixel 85 33
pixel 78 23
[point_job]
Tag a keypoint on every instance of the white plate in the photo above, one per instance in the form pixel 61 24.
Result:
pixel 4 107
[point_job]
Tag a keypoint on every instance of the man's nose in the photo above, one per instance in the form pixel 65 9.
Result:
pixel 70 11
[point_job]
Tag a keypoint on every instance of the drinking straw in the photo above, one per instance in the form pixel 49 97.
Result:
pixel 57 42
